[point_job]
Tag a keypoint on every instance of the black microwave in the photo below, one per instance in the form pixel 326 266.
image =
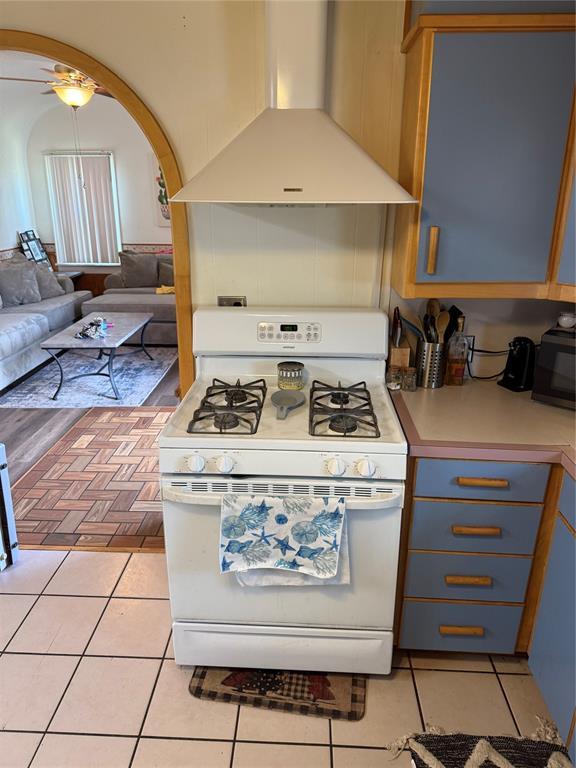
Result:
pixel 554 374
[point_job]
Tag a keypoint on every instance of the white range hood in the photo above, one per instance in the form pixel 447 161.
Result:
pixel 293 152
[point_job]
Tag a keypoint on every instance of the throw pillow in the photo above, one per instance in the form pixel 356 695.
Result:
pixel 165 273
pixel 19 285
pixel 139 270
pixel 48 284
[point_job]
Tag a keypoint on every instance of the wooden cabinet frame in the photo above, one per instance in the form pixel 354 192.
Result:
pixel 419 45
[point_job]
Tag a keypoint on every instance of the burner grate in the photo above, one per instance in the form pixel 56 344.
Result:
pixel 342 411
pixel 229 408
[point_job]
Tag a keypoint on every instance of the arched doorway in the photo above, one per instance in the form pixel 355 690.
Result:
pixel 29 42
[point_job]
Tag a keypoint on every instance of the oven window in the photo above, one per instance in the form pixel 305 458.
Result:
pixel 562 375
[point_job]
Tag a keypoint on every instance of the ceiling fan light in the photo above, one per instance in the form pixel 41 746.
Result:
pixel 74 95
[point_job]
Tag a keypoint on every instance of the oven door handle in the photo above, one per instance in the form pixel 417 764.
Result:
pixel 214 500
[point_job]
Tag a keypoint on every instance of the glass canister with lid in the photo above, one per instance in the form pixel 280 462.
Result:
pixel 290 375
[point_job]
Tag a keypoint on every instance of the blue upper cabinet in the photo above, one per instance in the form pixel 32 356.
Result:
pixel 497 128
pixel 486 123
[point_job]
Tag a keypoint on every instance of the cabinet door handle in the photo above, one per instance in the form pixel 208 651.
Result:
pixel 433 235
pixel 468 581
pixel 454 629
pixel 476 530
pixel 483 482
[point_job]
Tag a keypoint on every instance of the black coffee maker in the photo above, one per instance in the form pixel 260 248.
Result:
pixel 519 371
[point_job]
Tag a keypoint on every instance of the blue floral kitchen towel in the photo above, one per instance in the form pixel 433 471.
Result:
pixel 294 533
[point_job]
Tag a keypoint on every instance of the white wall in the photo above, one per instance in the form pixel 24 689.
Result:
pixel 102 124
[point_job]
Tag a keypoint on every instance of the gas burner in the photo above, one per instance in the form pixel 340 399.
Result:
pixel 343 424
pixel 234 408
pixel 226 420
pixel 341 410
pixel 235 396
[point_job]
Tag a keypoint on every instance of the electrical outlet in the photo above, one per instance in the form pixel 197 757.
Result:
pixel 231 301
pixel 471 342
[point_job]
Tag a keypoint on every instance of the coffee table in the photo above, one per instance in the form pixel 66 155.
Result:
pixel 124 325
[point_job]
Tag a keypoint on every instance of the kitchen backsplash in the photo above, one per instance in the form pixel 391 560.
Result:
pixel 296 256
pixel 494 323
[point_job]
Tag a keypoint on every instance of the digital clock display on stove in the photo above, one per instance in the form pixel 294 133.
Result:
pixel 288 328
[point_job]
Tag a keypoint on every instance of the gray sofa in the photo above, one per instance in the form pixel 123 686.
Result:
pixel 24 326
pixel 128 291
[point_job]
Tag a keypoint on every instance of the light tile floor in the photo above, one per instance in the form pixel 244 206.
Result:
pixel 88 680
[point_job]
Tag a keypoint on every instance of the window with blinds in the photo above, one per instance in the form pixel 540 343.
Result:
pixel 84 207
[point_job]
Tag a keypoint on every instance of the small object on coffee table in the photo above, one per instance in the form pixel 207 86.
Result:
pixel 121 326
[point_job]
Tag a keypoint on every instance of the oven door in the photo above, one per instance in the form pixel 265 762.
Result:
pixel 554 372
pixel 200 593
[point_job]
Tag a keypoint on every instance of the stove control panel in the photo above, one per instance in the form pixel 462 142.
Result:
pixel 273 332
pixel 331 465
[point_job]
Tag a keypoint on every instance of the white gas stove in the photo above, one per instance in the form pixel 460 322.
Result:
pixel 345 441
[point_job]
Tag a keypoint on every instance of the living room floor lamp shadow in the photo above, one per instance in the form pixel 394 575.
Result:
pixel 29 42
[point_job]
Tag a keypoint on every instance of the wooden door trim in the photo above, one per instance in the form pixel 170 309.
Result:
pixel 28 42
pixel 488 22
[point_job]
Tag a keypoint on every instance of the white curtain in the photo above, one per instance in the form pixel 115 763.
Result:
pixel 84 209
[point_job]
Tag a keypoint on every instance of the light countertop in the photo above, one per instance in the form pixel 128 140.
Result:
pixel 482 420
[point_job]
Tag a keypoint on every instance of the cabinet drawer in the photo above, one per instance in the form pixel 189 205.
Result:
pixel 481 480
pixel 459 627
pixel 467 577
pixel 567 502
pixel 457 526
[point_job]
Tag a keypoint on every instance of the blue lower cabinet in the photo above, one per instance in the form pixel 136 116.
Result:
pixel 553 651
pixel 467 577
pixel 567 501
pixel 435 626
pixel 460 526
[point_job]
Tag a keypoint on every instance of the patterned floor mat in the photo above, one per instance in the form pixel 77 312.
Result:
pixel 319 694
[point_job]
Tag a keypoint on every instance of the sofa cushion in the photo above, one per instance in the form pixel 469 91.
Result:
pixel 162 307
pixel 18 283
pixel 59 311
pixel 19 330
pixel 130 290
pixel 165 273
pixel 48 284
pixel 138 269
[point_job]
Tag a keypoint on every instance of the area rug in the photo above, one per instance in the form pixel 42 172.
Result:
pixel 98 486
pixel 136 377
pixel 463 751
pixel 332 695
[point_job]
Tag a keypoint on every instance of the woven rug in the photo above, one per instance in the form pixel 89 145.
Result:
pixel 98 486
pixel 332 695
pixel 136 377
pixel 460 750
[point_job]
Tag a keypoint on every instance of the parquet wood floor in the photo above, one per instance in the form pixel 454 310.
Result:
pixel 98 486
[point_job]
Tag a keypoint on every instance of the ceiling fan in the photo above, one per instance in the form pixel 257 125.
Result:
pixel 73 87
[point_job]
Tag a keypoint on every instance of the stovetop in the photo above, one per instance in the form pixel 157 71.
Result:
pixel 238 413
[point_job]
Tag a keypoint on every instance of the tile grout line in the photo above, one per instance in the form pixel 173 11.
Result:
pixel 417 694
pixel 38 596
pixel 233 749
pixel 513 716
pixel 148 705
pixel 80 657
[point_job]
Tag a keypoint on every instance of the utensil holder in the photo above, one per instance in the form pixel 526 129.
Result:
pixel 429 365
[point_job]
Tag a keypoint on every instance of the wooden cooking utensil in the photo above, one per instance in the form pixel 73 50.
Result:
pixel 441 324
pixel 433 308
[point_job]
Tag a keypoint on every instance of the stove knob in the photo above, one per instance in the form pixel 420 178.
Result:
pixel 195 462
pixel 365 467
pixel 336 467
pixel 225 464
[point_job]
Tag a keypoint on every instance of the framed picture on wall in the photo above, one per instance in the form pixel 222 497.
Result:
pixel 161 205
pixel 33 249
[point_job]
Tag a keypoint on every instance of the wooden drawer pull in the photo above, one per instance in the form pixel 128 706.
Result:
pixel 476 530
pixel 433 235
pixel 483 482
pixel 468 581
pixel 450 629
